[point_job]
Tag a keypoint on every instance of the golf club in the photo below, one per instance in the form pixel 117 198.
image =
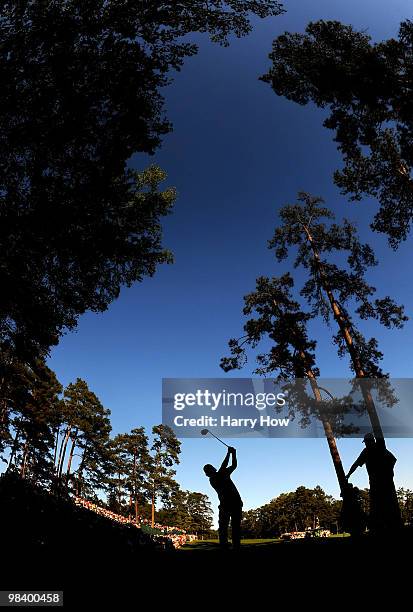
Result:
pixel 204 432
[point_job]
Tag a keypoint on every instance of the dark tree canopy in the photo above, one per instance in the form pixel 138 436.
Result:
pixel 81 93
pixel 366 88
pixel 279 318
pixel 62 255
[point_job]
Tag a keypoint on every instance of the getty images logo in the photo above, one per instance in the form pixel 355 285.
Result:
pixel 203 398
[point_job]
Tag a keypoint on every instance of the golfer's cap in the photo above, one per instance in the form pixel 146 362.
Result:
pixel 368 436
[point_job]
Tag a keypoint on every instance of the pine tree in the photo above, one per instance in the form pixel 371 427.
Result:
pixel 34 423
pixel 333 291
pixel 134 463
pixel 166 449
pixel 86 428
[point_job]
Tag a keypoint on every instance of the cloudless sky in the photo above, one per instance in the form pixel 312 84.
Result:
pixel 237 153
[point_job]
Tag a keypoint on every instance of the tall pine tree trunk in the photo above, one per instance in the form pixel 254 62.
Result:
pixel 119 492
pixel 80 472
pixel 136 510
pixel 135 488
pixel 72 448
pixel 56 445
pixel 342 323
pixel 328 430
pixel 63 452
pixel 153 507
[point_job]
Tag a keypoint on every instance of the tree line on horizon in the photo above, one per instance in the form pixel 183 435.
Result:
pixel 309 509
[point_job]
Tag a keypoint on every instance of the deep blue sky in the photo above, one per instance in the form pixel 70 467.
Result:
pixel 237 153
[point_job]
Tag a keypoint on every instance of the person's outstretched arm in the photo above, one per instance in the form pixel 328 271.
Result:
pixel 361 460
pixel 352 469
pixel 234 462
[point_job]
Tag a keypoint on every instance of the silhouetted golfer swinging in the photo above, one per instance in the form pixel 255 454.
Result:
pixel 379 462
pixel 230 507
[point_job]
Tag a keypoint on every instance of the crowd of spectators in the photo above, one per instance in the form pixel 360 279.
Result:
pixel 163 535
pixel 308 533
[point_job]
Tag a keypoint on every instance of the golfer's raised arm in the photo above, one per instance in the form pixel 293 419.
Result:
pixel 224 464
pixel 234 462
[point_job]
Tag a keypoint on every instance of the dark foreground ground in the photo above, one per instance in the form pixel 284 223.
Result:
pixel 46 545
pixel 262 573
